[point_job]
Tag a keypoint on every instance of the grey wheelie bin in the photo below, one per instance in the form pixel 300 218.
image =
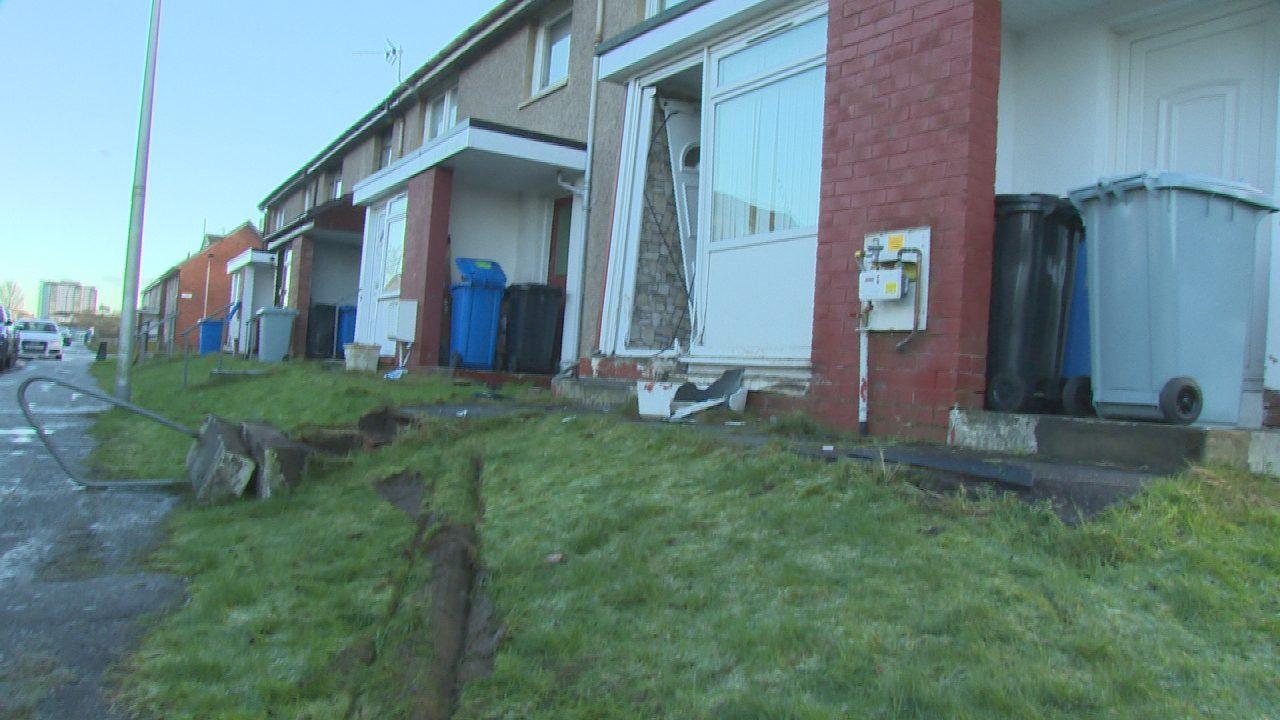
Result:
pixel 1170 290
pixel 275 330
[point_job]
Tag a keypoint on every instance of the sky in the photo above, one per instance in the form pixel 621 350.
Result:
pixel 246 92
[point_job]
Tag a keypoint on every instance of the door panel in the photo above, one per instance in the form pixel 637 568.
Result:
pixel 1202 100
pixel 558 255
pixel 684 130
pixel 757 245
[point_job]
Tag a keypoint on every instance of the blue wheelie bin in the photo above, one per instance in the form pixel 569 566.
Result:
pixel 346 329
pixel 477 305
pixel 210 336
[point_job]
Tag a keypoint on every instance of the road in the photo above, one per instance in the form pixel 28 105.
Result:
pixel 73 587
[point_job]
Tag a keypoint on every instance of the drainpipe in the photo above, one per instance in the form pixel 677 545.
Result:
pixel 863 341
pixel 208 267
pixel 580 270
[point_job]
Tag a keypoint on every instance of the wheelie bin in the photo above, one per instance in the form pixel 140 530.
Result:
pixel 1171 261
pixel 1033 266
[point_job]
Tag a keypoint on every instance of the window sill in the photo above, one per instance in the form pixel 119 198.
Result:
pixel 548 90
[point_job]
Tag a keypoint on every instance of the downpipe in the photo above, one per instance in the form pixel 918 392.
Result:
pixel 96 394
pixel 864 340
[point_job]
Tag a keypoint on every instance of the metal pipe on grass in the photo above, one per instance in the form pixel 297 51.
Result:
pixel 97 395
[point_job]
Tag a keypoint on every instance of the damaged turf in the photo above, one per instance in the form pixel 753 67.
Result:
pixel 442 632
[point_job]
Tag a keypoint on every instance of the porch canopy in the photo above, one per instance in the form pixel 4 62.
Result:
pixel 482 190
pixel 486 154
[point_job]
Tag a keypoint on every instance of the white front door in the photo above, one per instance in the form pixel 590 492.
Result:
pixel 684 141
pixel 381 263
pixel 233 325
pixel 1202 99
pixel 758 222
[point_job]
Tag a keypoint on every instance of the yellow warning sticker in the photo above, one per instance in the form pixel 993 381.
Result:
pixel 891 288
pixel 896 241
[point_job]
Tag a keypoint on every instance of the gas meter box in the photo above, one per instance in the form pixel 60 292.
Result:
pixel 894 279
pixel 886 284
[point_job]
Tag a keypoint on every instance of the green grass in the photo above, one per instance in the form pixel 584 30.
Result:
pixel 706 581
pixel 293 395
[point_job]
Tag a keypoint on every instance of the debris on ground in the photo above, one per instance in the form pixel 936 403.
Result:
pixel 333 441
pixel 219 465
pixel 381 426
pixel 672 402
pixel 280 461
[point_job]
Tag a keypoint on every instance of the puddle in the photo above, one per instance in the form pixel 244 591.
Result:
pixel 18 436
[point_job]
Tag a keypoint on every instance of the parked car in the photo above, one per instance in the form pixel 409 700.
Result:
pixel 8 340
pixel 39 339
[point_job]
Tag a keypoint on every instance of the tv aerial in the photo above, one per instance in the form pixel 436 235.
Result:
pixel 393 54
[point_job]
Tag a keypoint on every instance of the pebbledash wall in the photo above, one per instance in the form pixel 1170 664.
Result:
pixel 909 140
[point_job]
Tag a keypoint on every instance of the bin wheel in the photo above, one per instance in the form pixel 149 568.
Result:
pixel 1007 393
pixel 455 360
pixel 1181 401
pixel 1077 396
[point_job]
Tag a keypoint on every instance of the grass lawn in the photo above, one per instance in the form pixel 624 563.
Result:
pixel 700 580
pixel 291 396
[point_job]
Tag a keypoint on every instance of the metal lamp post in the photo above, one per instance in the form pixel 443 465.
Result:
pixel 133 250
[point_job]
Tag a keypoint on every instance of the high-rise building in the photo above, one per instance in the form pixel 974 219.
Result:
pixel 66 297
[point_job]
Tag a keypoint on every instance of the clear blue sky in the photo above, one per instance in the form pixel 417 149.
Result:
pixel 246 91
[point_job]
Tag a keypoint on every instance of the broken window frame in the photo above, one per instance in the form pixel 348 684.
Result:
pixel 641 109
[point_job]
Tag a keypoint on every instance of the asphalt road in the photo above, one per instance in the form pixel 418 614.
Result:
pixel 73 590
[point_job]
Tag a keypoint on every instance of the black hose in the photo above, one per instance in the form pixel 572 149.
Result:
pixel 97 395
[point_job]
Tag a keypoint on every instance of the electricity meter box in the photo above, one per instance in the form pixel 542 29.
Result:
pixel 894 278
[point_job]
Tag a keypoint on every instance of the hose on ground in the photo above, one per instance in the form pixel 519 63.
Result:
pixel 97 395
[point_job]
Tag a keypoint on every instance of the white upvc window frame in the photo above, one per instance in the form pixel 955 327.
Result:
pixel 628 201
pixel 447 101
pixel 384 148
pixel 540 82
pixel 335 184
pixel 286 277
pixel 653 7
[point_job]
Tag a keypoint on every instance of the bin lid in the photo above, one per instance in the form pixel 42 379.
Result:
pixel 1163 180
pixel 1037 202
pixel 481 273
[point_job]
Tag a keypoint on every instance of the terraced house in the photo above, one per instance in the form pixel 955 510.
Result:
pixel 707 180
pixel 766 146
pixel 479 153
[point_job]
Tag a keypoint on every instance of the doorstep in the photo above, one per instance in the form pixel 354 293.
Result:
pixel 1152 447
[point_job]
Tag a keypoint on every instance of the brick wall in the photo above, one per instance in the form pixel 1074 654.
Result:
pixel 425 277
pixel 299 292
pixel 191 280
pixel 908 140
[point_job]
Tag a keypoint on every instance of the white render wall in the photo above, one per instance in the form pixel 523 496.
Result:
pixel 510 228
pixel 1057 112
pixel 1057 90
pixel 335 273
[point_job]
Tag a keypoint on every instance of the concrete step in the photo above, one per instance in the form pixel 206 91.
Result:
pixel 1148 447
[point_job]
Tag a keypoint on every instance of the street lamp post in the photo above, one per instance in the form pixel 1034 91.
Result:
pixel 133 250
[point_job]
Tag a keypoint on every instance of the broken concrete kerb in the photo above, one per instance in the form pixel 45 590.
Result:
pixel 280 461
pixel 219 465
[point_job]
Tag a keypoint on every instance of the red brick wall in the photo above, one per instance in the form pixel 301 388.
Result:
pixel 191 280
pixel 425 276
pixel 300 293
pixel 909 140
